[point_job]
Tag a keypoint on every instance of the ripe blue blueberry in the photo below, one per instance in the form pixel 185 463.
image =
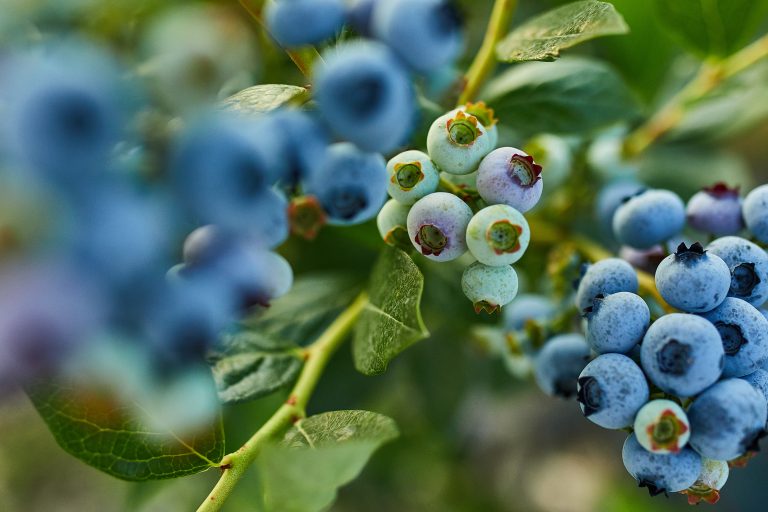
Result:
pixel 392 223
pixel 661 426
pixel 715 210
pixel 485 115
pixel 744 332
pixel 661 473
pixel 617 323
pixel 304 142
pixel 611 389
pixel 425 34
pixel 458 142
pixel 304 22
pixel 605 277
pixel 759 380
pixel 693 280
pixel 649 218
pixel 510 176
pixel 749 268
pixel 437 226
pixel 682 354
pixel 489 288
pixel 558 364
pixel 365 96
pixel 351 185
pixel 498 235
pixel 610 197
pixel 528 306
pixel 755 212
pixel 727 420
pixel 412 175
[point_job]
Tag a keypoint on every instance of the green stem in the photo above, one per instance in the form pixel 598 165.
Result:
pixel 709 76
pixel 485 60
pixel 317 355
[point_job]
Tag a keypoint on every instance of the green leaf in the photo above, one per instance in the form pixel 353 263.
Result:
pixel 121 438
pixel 572 95
pixel 319 455
pixel 263 98
pixel 542 37
pixel 391 321
pixel 712 27
pixel 266 356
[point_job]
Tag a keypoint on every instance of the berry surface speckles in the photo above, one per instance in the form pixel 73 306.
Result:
pixel 649 218
pixel 693 280
pixel 744 331
pixel 748 263
pixel 661 473
pixel 617 323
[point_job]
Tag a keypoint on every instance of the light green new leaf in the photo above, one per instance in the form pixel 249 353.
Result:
pixel 543 37
pixel 319 455
pixel 262 98
pixel 120 438
pixel 265 356
pixel 712 27
pixel 391 321
pixel 572 95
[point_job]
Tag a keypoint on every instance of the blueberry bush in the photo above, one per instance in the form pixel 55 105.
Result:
pixel 221 223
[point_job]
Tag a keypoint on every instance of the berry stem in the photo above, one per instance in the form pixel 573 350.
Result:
pixel 317 355
pixel 485 60
pixel 710 75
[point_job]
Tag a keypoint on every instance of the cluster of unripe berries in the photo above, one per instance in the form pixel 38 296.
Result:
pixel 692 384
pixel 501 184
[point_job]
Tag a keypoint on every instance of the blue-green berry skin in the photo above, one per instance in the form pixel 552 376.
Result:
pixel 489 287
pixel 510 176
pixel 617 322
pixel 649 218
pixel 716 211
pixel 608 276
pixel 748 263
pixel 392 221
pixel 755 213
pixel 492 131
pixel 759 380
pixel 744 332
pixel 682 354
pixel 425 34
pixel 412 175
pixel 498 235
pixel 558 364
pixel 451 154
pixel 528 306
pixel 365 96
pixel 351 185
pixel 727 419
pixel 304 22
pixel 693 282
pixel 661 472
pixel 449 215
pixel 611 389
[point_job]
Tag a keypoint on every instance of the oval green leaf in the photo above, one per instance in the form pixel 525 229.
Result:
pixel 263 98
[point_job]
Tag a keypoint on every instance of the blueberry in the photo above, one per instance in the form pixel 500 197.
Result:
pixel 304 142
pixel 744 332
pixel 661 426
pixel 617 323
pixel 437 226
pixel 749 268
pixel 558 364
pixel 693 280
pixel 392 222
pixel 610 197
pixel 498 235
pixel 714 474
pixel 661 473
pixel 682 354
pixel 510 176
pixel 605 277
pixel 304 22
pixel 489 288
pixel 485 115
pixel 425 34
pixel 412 175
pixel 755 211
pixel 759 380
pixel 351 185
pixel 365 96
pixel 360 16
pixel 727 420
pixel 611 389
pixel 528 307
pixel 648 218
pixel 458 142
pixel 715 210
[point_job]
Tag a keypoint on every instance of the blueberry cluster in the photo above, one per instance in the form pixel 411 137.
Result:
pixel 499 184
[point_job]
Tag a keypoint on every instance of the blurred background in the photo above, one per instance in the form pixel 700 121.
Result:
pixel 474 438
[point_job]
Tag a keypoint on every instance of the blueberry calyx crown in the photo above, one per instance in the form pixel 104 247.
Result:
pixel 699 492
pixel 431 239
pixel 589 311
pixel 482 112
pixel 488 307
pixel 637 193
pixel 306 217
pixel 675 357
pixel 523 170
pixel 665 433
pixel 688 254
pixel 407 175
pixel 398 237
pixel 732 336
pixel 744 279
pixel 463 129
pixel 722 191
pixel 653 489
pixel 589 395
pixel 504 237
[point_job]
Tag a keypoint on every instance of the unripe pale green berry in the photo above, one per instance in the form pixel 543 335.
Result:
pixel 489 288
pixel 714 474
pixel 392 222
pixel 486 116
pixel 498 235
pixel 661 426
pixel 457 143
pixel 412 175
